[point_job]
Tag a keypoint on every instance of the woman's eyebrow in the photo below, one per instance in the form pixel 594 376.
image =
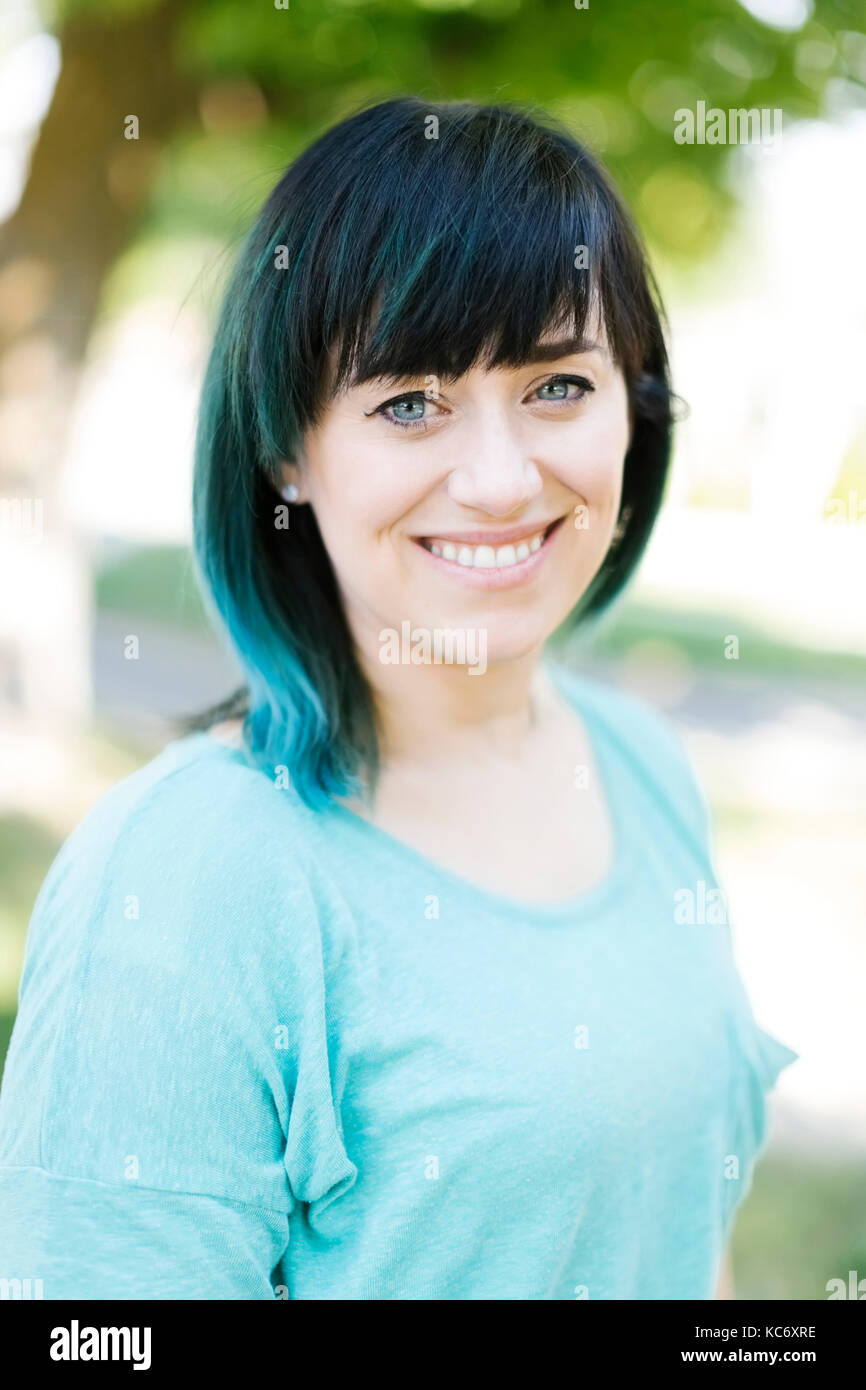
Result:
pixel 562 347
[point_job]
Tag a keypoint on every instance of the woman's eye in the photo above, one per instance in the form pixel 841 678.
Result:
pixel 415 410
pixel 563 388
pixel 407 412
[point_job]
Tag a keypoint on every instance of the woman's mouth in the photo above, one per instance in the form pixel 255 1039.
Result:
pixel 508 561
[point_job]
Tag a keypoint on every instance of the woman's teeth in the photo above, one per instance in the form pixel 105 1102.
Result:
pixel 486 557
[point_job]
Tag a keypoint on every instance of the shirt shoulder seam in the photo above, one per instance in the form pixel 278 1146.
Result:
pixel 142 1187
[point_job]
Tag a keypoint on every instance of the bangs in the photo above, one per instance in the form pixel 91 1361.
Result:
pixel 471 258
pixel 410 255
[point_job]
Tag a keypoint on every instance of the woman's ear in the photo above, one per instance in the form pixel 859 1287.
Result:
pixel 291 475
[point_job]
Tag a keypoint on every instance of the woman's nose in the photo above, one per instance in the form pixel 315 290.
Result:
pixel 495 474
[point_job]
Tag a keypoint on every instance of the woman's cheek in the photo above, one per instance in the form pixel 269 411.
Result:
pixel 596 474
pixel 600 451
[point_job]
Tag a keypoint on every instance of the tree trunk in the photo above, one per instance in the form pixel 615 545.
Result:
pixel 86 188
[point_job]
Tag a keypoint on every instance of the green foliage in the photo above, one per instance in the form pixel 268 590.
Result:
pixel 614 72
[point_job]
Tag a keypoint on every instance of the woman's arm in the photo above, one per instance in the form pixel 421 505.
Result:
pixel 171 994
pixel 725 1286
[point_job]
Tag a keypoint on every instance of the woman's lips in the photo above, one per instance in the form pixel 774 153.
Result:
pixel 492 559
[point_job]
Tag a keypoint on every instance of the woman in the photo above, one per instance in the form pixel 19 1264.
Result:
pixel 388 986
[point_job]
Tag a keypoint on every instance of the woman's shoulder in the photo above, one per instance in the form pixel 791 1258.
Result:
pixel 172 985
pixel 194 837
pixel 199 792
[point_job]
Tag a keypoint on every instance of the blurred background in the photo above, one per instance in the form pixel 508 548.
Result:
pixel 138 140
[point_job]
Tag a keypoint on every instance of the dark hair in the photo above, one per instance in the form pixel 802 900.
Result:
pixel 411 238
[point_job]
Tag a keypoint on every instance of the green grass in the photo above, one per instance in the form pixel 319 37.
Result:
pixel 7 1018
pixel 26 851
pixel 803 1223
pixel 700 637
pixel 155 582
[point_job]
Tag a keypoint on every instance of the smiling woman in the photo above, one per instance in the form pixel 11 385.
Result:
pixel 417 301
pixel 494 424
pixel 378 990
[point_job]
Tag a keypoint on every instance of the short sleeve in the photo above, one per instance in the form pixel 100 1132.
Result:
pixel 167 1097
pixel 758 1059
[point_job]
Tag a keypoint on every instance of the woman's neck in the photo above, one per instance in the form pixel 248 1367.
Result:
pixel 438 715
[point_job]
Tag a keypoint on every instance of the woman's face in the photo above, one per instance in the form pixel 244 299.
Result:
pixel 483 503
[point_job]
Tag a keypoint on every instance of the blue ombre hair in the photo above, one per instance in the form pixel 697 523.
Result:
pixel 410 239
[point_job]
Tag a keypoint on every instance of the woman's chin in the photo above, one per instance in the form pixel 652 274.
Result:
pixel 515 645
pixel 487 643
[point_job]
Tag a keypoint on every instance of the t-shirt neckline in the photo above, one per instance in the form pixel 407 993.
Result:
pixel 590 900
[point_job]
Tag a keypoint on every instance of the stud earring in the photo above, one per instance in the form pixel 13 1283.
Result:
pixel 291 492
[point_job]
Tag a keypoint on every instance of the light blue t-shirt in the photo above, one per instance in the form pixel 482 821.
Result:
pixel 263 1052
